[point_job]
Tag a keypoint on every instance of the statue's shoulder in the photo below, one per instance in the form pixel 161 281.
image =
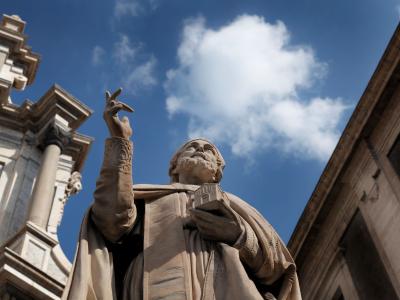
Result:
pixel 151 187
pixel 163 187
pixel 146 191
pixel 233 197
pixel 239 201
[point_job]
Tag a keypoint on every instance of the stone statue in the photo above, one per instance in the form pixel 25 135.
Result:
pixel 74 185
pixel 186 240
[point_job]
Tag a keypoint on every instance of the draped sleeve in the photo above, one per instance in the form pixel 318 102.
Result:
pixel 269 260
pixel 113 211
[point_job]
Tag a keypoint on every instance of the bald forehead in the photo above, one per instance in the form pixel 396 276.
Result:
pixel 195 143
pixel 199 143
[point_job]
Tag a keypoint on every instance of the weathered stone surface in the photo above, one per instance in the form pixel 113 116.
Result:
pixel 32 264
pixel 187 240
pixel 358 195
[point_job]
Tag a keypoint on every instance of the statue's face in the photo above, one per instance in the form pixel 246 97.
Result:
pixel 198 160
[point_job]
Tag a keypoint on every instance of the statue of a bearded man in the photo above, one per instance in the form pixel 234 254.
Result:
pixel 186 240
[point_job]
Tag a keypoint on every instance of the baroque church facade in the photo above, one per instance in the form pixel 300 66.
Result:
pixel 41 155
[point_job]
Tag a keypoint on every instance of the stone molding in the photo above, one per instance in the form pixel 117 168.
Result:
pixel 18 272
pixel 12 30
pixel 33 253
pixel 32 118
pixel 18 64
pixel 55 135
pixel 34 115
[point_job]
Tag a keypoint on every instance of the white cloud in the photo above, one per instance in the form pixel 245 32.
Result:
pixel 135 68
pixel 241 85
pixel 134 8
pixel 154 4
pixel 127 7
pixel 124 51
pixel 97 55
pixel 142 76
pixel 307 128
pixel 127 64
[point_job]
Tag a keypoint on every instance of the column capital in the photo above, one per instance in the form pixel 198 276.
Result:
pixel 55 135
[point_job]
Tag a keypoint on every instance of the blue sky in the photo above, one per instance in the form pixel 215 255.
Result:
pixel 272 83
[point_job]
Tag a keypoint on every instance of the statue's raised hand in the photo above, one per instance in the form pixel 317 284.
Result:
pixel 118 128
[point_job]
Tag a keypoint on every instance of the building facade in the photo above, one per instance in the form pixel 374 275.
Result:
pixel 346 243
pixel 41 154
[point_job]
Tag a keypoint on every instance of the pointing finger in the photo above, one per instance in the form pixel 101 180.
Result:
pixel 116 93
pixel 126 107
pixel 108 95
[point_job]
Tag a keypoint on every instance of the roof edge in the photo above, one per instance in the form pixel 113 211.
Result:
pixel 350 136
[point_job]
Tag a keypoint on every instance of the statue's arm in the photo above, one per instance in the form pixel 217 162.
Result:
pixel 249 248
pixel 113 210
pixel 267 260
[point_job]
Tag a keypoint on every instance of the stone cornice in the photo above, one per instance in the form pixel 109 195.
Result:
pixel 79 148
pixel 378 91
pixel 33 117
pixel 18 39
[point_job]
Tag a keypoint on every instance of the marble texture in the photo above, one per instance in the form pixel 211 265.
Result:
pixel 32 263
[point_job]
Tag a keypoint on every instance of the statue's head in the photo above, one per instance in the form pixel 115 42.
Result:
pixel 197 161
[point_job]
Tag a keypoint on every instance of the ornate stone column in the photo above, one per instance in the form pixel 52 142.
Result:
pixel 42 196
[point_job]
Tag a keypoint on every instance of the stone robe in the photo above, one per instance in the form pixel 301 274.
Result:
pixel 140 244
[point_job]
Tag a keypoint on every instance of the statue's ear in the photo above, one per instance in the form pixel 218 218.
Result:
pixel 173 174
pixel 218 175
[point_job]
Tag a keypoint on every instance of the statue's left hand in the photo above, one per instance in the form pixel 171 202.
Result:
pixel 221 224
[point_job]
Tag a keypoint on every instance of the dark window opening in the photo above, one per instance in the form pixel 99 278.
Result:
pixel 366 267
pixel 394 156
pixel 338 295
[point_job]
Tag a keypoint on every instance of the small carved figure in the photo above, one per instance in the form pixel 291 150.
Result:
pixel 186 240
pixel 74 185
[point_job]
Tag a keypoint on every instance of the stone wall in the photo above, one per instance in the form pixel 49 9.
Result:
pixel 21 159
pixel 346 244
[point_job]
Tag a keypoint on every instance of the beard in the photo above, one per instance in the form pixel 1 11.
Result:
pixel 196 166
